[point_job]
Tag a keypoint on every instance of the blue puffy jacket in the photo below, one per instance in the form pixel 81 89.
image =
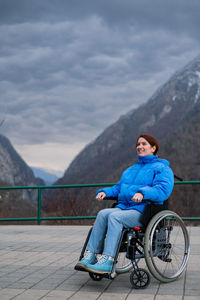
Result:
pixel 151 176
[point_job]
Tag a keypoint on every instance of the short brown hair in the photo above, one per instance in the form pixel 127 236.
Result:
pixel 151 140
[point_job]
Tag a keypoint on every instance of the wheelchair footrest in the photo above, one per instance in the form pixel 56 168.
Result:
pixel 104 275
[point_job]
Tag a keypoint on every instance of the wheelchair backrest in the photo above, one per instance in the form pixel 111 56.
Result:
pixel 151 210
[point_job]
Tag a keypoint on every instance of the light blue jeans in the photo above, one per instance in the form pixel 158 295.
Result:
pixel 108 227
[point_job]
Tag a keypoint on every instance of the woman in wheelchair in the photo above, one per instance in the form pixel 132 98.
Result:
pixel 150 179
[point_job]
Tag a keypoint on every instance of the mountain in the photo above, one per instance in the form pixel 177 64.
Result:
pixel 46 176
pixel 15 172
pixel 172 114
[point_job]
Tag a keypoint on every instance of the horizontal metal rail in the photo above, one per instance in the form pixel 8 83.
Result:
pixel 45 187
pixel 39 218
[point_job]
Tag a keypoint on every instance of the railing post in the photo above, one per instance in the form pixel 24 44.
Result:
pixel 39 207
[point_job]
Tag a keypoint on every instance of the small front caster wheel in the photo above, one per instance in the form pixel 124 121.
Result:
pixel 139 278
pixel 95 277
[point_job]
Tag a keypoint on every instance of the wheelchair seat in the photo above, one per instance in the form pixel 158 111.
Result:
pixel 151 209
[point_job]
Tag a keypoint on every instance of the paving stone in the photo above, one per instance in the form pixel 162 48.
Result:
pixel 7 294
pixel 60 295
pixel 111 296
pixel 31 295
pixel 85 296
pixel 140 296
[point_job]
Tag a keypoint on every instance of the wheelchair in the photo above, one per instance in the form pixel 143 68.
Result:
pixel 163 242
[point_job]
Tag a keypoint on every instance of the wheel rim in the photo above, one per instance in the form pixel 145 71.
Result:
pixel 139 278
pixel 168 260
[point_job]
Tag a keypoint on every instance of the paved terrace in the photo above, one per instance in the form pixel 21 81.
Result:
pixel 37 262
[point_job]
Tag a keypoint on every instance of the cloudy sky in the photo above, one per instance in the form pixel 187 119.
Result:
pixel 70 68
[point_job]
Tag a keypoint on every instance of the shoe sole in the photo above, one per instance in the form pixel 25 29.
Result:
pixel 80 267
pixel 97 272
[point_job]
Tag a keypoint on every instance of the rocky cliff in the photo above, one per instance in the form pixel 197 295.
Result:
pixel 15 172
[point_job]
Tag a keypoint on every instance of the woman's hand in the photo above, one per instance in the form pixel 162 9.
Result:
pixel 100 196
pixel 137 197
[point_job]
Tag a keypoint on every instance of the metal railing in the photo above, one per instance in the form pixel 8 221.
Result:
pixel 39 218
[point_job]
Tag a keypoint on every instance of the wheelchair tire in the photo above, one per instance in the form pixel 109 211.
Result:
pixel 139 278
pixel 166 246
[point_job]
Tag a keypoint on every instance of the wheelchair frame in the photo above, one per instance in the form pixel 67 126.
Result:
pixel 163 243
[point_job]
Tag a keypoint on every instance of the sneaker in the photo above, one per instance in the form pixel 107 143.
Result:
pixel 104 265
pixel 89 258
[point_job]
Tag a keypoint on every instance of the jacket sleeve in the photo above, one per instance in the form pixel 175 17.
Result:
pixel 111 191
pixel 162 186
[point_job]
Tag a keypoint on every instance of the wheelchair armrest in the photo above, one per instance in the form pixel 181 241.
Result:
pixel 114 199
pixel 111 198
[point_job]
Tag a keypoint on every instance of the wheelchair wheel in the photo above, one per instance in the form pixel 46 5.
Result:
pixel 166 246
pixel 140 278
pixel 123 264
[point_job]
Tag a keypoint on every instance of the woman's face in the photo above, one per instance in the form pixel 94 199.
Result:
pixel 144 148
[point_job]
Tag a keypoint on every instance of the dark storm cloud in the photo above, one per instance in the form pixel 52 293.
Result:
pixel 71 68
pixel 175 14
